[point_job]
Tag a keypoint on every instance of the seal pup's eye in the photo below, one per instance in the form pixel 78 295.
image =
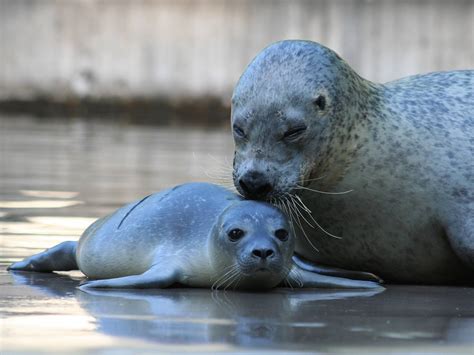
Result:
pixel 282 234
pixel 239 132
pixel 294 133
pixel 320 102
pixel 235 234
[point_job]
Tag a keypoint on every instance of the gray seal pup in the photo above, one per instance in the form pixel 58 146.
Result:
pixel 196 234
pixel 387 168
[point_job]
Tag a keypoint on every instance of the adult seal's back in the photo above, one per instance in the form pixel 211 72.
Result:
pixel 387 168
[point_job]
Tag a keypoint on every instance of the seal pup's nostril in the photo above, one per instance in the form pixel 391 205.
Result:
pixel 263 253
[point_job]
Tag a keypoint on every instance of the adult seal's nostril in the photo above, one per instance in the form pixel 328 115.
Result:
pixel 255 185
pixel 263 253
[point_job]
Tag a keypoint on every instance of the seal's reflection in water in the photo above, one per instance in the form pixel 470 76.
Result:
pixel 196 316
pixel 280 318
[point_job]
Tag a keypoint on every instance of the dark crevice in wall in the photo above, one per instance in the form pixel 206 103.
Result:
pixel 207 111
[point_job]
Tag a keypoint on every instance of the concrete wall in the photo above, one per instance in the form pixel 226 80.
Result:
pixel 178 48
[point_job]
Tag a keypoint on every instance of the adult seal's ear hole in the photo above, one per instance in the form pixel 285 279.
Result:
pixel 320 102
pixel 239 132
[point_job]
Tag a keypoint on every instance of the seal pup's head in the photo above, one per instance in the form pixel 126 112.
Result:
pixel 293 118
pixel 251 246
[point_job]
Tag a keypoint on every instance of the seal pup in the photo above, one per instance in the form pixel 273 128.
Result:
pixel 196 234
pixel 387 168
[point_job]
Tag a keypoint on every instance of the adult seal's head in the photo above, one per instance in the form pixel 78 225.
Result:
pixel 293 114
pixel 251 243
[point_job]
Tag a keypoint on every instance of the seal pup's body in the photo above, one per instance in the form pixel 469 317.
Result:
pixel 404 150
pixel 196 234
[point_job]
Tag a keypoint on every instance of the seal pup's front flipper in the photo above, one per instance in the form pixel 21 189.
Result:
pixel 158 276
pixel 300 278
pixel 61 257
pixel 333 271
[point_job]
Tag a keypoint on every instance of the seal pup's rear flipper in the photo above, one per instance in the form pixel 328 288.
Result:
pixel 333 271
pixel 306 279
pixel 157 276
pixel 61 257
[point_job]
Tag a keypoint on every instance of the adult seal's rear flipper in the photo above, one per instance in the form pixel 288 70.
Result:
pixel 333 271
pixel 158 276
pixel 299 278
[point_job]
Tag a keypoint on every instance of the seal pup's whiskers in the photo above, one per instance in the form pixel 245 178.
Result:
pixel 297 277
pixel 234 278
pixel 285 280
pixel 241 276
pixel 293 276
pixel 230 278
pixel 219 282
pixel 299 187
pixel 223 280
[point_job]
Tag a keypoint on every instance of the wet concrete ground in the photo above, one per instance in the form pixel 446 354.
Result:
pixel 57 177
pixel 47 312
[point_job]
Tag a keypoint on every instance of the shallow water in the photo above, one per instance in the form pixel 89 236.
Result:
pixel 56 177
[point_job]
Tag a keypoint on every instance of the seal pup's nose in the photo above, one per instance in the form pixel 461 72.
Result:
pixel 255 185
pixel 263 253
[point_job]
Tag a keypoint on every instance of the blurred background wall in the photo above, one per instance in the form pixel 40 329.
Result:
pixel 168 50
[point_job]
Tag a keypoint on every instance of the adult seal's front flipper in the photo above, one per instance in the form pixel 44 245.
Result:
pixel 307 265
pixel 300 278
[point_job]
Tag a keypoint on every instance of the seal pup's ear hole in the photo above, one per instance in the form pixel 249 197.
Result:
pixel 320 102
pixel 235 234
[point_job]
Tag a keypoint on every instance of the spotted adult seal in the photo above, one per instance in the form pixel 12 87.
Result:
pixel 401 155
pixel 196 234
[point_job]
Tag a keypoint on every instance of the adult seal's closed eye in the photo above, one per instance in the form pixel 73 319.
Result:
pixel 387 168
pixel 198 235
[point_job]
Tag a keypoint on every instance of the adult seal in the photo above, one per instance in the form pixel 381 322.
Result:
pixel 198 235
pixel 387 168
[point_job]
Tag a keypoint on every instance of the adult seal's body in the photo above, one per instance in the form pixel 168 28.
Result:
pixel 400 154
pixel 198 235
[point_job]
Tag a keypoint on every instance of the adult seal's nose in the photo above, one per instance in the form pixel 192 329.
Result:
pixel 255 185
